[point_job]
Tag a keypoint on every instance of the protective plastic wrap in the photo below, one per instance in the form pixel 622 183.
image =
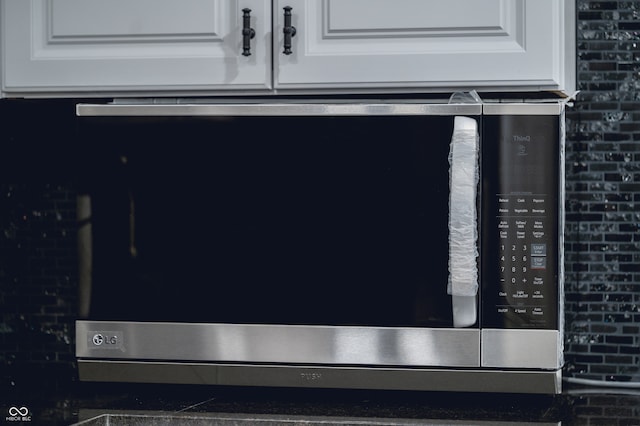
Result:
pixel 463 217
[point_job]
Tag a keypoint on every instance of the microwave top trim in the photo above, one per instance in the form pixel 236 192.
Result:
pixel 310 109
pixel 277 109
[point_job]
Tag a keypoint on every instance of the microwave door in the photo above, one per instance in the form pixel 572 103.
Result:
pixel 343 225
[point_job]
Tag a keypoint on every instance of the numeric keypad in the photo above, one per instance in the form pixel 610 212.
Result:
pixel 522 255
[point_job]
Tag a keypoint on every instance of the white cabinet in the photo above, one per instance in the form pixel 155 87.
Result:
pixel 428 44
pixel 194 47
pixel 120 46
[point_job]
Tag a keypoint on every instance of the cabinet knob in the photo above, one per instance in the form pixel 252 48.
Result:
pixel 247 32
pixel 288 30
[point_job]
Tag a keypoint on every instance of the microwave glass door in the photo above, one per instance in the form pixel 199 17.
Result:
pixel 270 220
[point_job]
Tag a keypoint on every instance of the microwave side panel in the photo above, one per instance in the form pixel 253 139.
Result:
pixel 521 212
pixel 522 236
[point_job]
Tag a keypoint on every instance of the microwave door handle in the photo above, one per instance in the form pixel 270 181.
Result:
pixel 465 310
pixel 463 223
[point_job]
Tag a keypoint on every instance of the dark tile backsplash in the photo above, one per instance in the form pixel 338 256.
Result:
pixel 37 283
pixel 38 278
pixel 602 233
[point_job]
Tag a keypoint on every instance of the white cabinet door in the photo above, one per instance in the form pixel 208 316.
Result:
pixel 472 44
pixel 122 46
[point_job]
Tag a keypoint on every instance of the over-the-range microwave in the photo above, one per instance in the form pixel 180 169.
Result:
pixel 409 244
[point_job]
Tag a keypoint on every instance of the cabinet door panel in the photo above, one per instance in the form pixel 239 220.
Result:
pixel 423 43
pixel 81 46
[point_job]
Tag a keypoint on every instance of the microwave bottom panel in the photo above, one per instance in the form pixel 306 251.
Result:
pixel 410 379
pixel 278 344
pixel 391 358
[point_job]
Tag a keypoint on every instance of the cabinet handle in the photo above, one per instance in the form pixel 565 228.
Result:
pixel 247 32
pixel 288 30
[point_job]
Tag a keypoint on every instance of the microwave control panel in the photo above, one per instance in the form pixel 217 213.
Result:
pixel 521 209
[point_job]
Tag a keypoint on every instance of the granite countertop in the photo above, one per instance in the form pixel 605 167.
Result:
pixel 132 404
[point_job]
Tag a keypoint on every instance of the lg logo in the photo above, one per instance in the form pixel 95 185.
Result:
pixel 106 340
pixel 98 339
pixel 101 339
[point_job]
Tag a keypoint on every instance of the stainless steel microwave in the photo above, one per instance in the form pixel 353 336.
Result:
pixel 405 244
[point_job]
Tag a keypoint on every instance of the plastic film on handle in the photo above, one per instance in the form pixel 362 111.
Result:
pixel 463 229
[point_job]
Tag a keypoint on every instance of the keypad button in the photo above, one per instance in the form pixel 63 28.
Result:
pixel 538 263
pixel 538 249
